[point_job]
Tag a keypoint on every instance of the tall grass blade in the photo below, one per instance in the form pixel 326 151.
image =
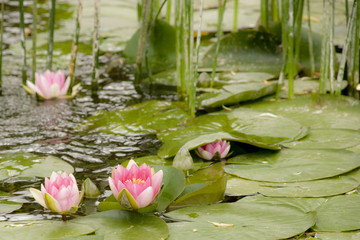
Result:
pixel 355 70
pixel 310 40
pixel 168 11
pixel 34 40
pixel 290 59
pixel 22 36
pixel 95 50
pixel 264 13
pixel 236 6
pixel 331 46
pixel 324 50
pixel 75 42
pixel 298 26
pixel 50 46
pixel 180 49
pixel 191 75
pixel 222 6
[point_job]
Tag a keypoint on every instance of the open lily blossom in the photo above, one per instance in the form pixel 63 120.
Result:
pixel 60 193
pixel 216 150
pixel 51 85
pixel 135 187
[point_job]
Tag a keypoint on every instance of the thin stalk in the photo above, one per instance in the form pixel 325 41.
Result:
pixel 75 42
pixel 219 36
pixel 96 38
pixel 264 13
pixel 340 76
pixel 140 4
pixel 324 51
pixel 236 3
pixel 274 11
pixel 298 26
pixel 191 74
pixel 1 40
pixel 34 36
pixel 291 62
pixel 180 49
pixel 356 53
pixel 22 36
pixel 198 38
pixel 331 46
pixel 50 46
pixel 168 11
pixel 310 40
pixel 347 11
pixel 145 19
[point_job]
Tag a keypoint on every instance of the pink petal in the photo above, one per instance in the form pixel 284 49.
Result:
pixel 145 198
pixel 65 87
pixel 113 188
pixel 130 164
pixel 156 180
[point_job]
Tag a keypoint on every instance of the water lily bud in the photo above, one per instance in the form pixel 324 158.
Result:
pixel 216 150
pixel 51 85
pixel 91 190
pixel 60 193
pixel 135 187
pixel 183 160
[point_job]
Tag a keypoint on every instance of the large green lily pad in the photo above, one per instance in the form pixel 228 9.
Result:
pixel 340 213
pixel 120 224
pixel 338 235
pixel 26 165
pixel 325 138
pixel 43 230
pixel 317 188
pixel 241 124
pixel 293 165
pixel 248 219
pixel 248 51
pixel 143 118
pixel 316 111
pixel 235 93
pixel 9 206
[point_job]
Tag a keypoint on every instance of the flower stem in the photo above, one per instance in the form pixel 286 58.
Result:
pixel 64 218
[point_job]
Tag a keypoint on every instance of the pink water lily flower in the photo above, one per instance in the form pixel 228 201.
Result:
pixel 60 193
pixel 51 85
pixel 135 187
pixel 216 150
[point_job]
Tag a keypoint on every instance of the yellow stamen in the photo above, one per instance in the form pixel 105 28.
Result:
pixel 136 181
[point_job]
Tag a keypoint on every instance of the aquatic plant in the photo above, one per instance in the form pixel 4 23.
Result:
pixel 215 150
pixel 135 187
pixel 60 194
pixel 51 85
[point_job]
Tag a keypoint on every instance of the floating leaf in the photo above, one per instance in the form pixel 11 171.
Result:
pixel 247 51
pixel 119 224
pixel 251 220
pixel 241 124
pixel 26 165
pixel 43 230
pixel 325 138
pixel 317 188
pixel 293 165
pixel 340 213
pixel 338 235
pixel 235 93
pixel 325 111
pixel 143 118
pixel 9 206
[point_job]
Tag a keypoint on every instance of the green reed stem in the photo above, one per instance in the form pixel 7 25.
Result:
pixel 191 73
pixel 324 50
pixel 95 50
pixel 264 13
pixel 140 5
pixel 75 42
pixel 331 46
pixel 34 36
pixel 219 36
pixel 347 11
pixel 355 70
pixel 236 4
pixel 180 49
pixel 310 40
pixel 274 11
pixel 145 20
pixel 50 46
pixel 291 62
pixel 22 36
pixel 349 29
pixel 1 40
pixel 298 25
pixel 168 11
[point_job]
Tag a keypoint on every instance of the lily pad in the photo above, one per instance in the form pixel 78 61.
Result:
pixel 325 111
pixel 43 230
pixel 235 93
pixel 250 220
pixel 26 165
pixel 247 51
pixel 340 213
pixel 143 118
pixel 161 47
pixel 241 124
pixel 119 224
pixel 324 138
pixel 317 188
pixel 9 206
pixel 293 165
pixel 338 235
